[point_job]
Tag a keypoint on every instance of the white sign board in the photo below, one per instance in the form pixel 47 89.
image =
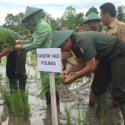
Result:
pixel 49 59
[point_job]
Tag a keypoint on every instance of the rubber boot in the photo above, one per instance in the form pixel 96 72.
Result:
pixel 100 106
pixel 22 84
pixel 122 107
pixel 13 84
pixel 91 98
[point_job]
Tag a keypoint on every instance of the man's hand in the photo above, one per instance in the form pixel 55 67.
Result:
pixel 65 73
pixel 68 79
pixel 18 47
pixel 18 41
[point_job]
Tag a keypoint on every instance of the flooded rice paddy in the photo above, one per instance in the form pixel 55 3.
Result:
pixel 72 110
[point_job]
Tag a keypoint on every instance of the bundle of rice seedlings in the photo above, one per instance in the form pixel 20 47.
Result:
pixel 6 98
pixel 25 106
pixel 45 85
pixel 6 38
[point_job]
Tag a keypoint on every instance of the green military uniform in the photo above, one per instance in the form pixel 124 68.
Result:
pixel 111 53
pixel 116 28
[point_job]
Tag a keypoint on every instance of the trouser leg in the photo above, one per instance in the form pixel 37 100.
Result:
pixel 21 70
pixel 118 82
pixel 13 84
pixel 100 105
pixel 20 61
pixel 11 70
pixel 22 85
pixel 99 85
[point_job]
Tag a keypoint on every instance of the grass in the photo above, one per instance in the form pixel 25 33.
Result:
pixel 24 104
pixel 6 98
pixel 17 102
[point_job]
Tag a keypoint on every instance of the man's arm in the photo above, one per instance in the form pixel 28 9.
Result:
pixel 89 67
pixel 5 51
pixel 78 66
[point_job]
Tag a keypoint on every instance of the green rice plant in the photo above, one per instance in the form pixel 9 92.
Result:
pixel 6 98
pixel 78 117
pixel 68 114
pixel 25 107
pixel 15 102
pixel 45 85
pixel 6 38
pixel 83 114
pixel 116 121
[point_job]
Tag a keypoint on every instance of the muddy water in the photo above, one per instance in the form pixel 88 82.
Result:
pixel 74 97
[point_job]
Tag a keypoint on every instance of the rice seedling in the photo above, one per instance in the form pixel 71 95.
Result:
pixel 25 107
pixel 45 85
pixel 6 98
pixel 6 38
pixel 78 117
pixel 116 121
pixel 15 102
pixel 68 114
pixel 83 113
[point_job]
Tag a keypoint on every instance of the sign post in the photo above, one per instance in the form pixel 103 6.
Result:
pixel 49 60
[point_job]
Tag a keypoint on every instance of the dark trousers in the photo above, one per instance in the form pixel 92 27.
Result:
pixel 112 69
pixel 15 66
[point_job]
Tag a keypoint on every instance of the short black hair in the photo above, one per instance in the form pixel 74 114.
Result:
pixel 109 8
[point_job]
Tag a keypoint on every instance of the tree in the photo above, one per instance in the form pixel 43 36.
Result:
pixel 92 9
pixel 69 18
pixel 79 18
pixel 14 23
pixel 51 21
pixel 120 12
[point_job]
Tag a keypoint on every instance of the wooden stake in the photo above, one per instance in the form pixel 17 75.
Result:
pixel 53 99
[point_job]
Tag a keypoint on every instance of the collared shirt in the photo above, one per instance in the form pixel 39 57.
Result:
pixel 92 44
pixel 116 28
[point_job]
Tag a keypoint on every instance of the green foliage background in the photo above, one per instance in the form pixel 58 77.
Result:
pixel 69 20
